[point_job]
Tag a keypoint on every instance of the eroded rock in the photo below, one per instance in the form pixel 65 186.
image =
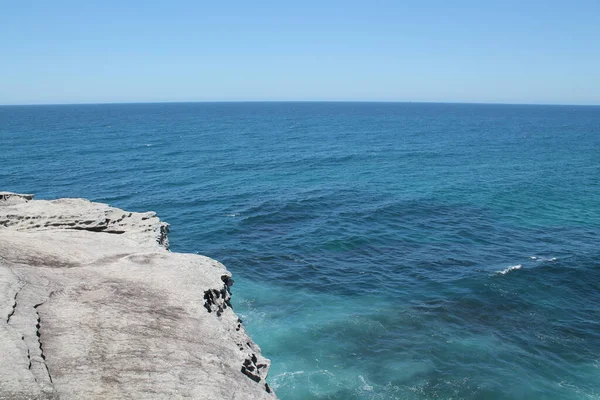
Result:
pixel 93 305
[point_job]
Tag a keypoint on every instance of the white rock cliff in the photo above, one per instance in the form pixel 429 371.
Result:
pixel 93 305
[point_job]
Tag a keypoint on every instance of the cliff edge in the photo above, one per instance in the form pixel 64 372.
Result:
pixel 94 305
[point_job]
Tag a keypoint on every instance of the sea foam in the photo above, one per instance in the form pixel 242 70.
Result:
pixel 509 269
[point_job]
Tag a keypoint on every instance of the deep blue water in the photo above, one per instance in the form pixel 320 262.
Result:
pixel 368 241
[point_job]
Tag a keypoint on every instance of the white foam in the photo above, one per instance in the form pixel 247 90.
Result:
pixel 510 269
pixel 366 387
pixel 279 380
pixel 541 259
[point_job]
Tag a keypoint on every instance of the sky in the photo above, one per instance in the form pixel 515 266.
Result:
pixel 541 52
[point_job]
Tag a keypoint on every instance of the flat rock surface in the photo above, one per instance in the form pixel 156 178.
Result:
pixel 94 306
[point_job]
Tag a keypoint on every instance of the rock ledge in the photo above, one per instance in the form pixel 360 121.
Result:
pixel 93 305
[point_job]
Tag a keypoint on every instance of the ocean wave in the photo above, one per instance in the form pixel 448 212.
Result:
pixel 509 269
pixel 365 386
pixel 540 259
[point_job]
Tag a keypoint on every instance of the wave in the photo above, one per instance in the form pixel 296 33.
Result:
pixel 365 386
pixel 509 269
pixel 541 259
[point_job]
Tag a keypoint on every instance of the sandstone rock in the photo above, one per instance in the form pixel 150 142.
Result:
pixel 93 305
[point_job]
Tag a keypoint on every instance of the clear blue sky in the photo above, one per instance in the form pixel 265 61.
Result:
pixel 524 51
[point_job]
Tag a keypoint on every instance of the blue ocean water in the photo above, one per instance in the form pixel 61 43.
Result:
pixel 380 250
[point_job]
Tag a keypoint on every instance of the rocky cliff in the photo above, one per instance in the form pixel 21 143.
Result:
pixel 93 305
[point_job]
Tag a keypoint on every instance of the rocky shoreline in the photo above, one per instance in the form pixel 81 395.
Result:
pixel 94 305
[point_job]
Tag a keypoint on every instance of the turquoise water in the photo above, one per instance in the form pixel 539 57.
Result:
pixel 380 251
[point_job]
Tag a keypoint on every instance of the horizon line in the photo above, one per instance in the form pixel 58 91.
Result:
pixel 296 101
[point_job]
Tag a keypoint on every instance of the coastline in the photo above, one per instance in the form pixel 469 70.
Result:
pixel 94 305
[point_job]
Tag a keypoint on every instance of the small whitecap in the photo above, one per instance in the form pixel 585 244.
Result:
pixel 232 215
pixel 366 387
pixel 509 269
pixel 533 258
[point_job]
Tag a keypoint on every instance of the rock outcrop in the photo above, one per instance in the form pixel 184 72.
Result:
pixel 94 306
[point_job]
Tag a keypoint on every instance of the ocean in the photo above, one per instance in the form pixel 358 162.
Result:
pixel 379 250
